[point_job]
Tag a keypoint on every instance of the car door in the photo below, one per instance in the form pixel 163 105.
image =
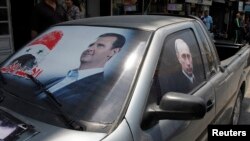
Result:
pixel 224 81
pixel 167 78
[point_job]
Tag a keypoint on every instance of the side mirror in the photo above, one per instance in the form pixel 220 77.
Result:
pixel 177 106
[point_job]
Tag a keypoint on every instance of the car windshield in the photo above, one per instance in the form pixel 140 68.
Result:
pixel 88 70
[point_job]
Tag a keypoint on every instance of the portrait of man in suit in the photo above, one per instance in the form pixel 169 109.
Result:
pixel 186 78
pixel 184 57
pixel 93 59
pixel 82 82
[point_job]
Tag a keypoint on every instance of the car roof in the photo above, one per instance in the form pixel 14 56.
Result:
pixel 144 22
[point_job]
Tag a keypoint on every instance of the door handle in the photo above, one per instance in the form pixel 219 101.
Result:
pixel 210 104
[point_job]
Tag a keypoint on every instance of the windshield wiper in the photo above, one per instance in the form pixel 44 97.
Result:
pixel 70 123
pixel 42 87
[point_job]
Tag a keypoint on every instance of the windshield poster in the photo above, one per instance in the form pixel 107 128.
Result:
pixel 54 53
pixel 32 55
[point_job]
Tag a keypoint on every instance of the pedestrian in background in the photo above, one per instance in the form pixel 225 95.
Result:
pixel 72 11
pixel 201 15
pixel 208 21
pixel 45 14
pixel 243 26
pixel 238 29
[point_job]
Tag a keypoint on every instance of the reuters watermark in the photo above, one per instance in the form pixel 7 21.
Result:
pixel 223 131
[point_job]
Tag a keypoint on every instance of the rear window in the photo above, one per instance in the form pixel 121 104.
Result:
pixel 88 70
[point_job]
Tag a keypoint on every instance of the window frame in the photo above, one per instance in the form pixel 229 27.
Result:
pixel 210 47
pixel 164 32
pixel 191 28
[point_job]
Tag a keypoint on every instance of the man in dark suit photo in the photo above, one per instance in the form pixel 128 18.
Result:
pixel 186 76
pixel 185 58
pixel 177 75
pixel 80 83
pixel 93 59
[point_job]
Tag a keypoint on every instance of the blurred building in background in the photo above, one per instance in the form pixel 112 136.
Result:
pixel 15 33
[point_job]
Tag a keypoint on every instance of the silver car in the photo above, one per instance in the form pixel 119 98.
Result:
pixel 119 78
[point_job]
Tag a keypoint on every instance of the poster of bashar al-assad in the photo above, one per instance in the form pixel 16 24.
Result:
pixel 74 63
pixel 56 53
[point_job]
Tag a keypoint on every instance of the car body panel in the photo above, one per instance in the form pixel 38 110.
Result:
pixel 122 133
pixel 47 132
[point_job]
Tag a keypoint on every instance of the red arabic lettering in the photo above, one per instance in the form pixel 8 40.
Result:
pixel 20 73
pixel 36 72
pixel 4 69
pixel 15 69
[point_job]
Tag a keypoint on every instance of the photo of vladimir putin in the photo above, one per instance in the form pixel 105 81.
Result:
pixel 185 79
pixel 181 77
pixel 184 57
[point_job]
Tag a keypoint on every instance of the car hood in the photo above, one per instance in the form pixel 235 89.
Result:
pixel 44 132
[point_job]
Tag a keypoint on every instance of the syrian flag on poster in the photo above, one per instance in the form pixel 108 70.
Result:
pixel 29 58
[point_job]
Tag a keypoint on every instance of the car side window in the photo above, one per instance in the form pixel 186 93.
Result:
pixel 180 67
pixel 207 53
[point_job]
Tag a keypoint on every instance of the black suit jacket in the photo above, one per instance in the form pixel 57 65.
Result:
pixel 75 96
pixel 178 83
pixel 79 89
